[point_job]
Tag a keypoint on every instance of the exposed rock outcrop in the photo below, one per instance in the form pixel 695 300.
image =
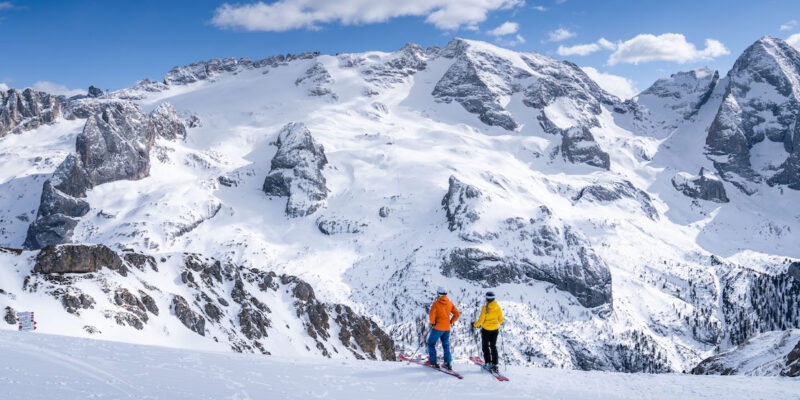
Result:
pixel 355 332
pixel 705 186
pixel 296 171
pixel 27 109
pixel 478 80
pixel 10 316
pixel 336 226
pixel 767 354
pixel 166 122
pixel 615 191
pixel 578 146
pixel 77 258
pixel 317 81
pixel 114 145
pixel 205 70
pixel 792 368
pixel 536 249
pixel 95 92
pixel 403 63
pixel 460 203
pixel 670 101
pixel 56 218
pixel 196 323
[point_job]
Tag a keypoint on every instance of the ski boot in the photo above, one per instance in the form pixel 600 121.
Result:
pixel 447 366
pixel 432 365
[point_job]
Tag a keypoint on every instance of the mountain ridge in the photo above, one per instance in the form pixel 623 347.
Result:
pixel 469 166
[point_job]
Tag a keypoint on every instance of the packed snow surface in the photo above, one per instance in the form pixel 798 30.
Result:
pixel 37 366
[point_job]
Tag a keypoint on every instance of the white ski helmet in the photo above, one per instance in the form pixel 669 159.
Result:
pixel 440 291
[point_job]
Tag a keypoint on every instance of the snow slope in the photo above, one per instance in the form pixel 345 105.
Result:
pixel 37 366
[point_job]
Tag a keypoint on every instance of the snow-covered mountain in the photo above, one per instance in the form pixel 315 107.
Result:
pixel 643 235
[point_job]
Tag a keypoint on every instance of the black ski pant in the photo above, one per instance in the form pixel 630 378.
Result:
pixel 489 340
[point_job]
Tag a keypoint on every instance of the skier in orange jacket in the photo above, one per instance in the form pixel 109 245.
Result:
pixel 441 311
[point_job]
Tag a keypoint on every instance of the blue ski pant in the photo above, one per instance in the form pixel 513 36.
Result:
pixel 434 337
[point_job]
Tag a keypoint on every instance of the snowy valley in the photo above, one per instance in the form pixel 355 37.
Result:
pixel 311 204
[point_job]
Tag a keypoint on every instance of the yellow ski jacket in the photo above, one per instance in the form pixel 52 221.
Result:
pixel 491 317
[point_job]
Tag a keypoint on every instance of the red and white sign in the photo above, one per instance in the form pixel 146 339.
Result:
pixel 25 321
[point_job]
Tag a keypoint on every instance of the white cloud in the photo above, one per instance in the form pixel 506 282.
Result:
pixel 3 87
pixel 517 40
pixel 794 41
pixel 540 8
pixel 608 45
pixel 54 88
pixel 559 35
pixel 585 49
pixel 666 47
pixel 578 49
pixel 6 5
pixel 619 86
pixel 284 15
pixel 789 25
pixel 507 28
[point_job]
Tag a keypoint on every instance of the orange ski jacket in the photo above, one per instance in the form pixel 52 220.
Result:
pixel 440 314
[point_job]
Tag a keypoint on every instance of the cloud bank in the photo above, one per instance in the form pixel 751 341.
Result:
pixel 559 35
pixel 507 28
pixel 55 88
pixel 619 86
pixel 585 49
pixel 284 15
pixel 666 47
pixel 794 41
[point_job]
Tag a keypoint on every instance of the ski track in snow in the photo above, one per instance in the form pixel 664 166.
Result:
pixel 39 366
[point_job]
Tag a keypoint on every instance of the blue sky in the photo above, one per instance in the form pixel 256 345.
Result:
pixel 113 44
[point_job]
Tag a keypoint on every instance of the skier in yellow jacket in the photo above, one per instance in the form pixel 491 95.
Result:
pixel 490 320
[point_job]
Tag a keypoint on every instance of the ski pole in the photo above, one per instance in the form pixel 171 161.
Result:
pixel 503 349
pixel 424 340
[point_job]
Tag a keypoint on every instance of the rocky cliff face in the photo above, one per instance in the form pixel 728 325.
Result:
pixel 521 250
pixel 705 186
pixel 611 192
pixel 296 171
pixel 578 146
pixel 317 81
pixel 671 101
pixel 114 145
pixel 27 109
pixel 480 81
pixel 220 302
pixel 762 103
pixel 770 353
pixel 460 204
pixel 166 122
pixel 205 70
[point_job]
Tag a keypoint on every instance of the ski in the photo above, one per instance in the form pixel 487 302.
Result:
pixel 483 366
pixel 422 363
